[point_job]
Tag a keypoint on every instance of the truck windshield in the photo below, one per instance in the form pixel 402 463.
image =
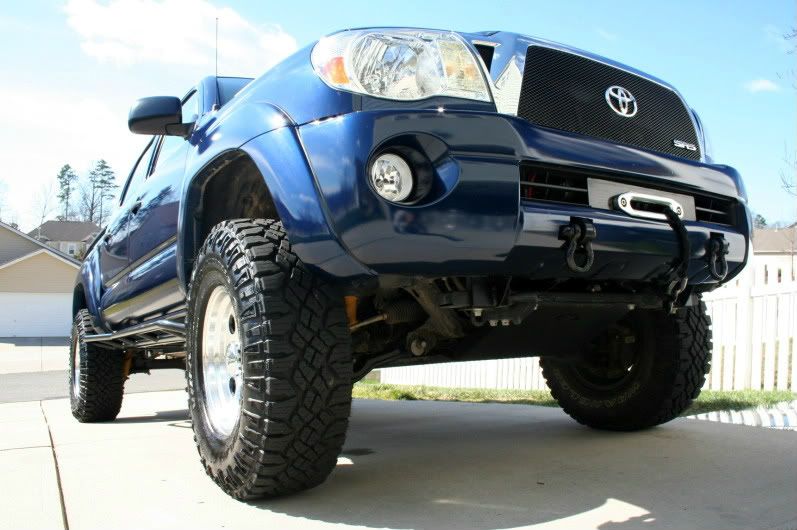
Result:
pixel 229 86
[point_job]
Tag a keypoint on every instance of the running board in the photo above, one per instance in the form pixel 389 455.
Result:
pixel 144 335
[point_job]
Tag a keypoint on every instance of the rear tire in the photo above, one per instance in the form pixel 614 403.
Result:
pixel 659 380
pixel 96 375
pixel 278 425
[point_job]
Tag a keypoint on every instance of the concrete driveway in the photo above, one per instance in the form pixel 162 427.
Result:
pixel 406 465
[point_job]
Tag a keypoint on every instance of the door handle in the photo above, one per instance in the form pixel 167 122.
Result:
pixel 135 208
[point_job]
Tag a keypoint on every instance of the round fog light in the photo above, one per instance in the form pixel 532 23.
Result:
pixel 391 177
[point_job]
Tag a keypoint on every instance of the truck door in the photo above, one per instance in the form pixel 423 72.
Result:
pixel 153 285
pixel 113 249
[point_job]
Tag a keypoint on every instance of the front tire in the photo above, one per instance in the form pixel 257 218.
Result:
pixel 96 375
pixel 268 363
pixel 645 372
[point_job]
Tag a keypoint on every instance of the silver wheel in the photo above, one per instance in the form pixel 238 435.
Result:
pixel 292 366
pixel 75 366
pixel 222 376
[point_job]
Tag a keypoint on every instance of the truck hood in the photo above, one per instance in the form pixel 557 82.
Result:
pixel 513 46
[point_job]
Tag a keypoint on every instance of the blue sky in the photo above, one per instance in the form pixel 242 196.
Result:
pixel 71 69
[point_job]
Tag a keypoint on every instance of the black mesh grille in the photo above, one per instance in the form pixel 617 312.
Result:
pixel 566 91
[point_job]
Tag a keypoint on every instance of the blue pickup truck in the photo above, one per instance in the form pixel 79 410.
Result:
pixel 388 197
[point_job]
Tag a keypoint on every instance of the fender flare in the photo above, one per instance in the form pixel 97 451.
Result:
pixel 86 293
pixel 286 173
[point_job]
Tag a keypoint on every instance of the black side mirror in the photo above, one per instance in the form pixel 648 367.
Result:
pixel 159 115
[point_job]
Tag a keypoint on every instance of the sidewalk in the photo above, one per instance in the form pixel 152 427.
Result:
pixel 30 497
pixel 405 465
pixel 33 354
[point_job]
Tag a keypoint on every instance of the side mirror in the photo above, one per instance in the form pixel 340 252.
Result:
pixel 159 115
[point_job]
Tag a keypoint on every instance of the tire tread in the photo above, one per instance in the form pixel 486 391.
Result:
pixel 102 376
pixel 297 365
pixel 685 338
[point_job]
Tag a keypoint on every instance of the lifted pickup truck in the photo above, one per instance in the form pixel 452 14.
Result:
pixel 388 197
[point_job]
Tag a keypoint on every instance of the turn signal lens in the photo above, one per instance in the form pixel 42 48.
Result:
pixel 335 71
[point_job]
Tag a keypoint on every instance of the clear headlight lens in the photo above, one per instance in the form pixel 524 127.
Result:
pixel 401 65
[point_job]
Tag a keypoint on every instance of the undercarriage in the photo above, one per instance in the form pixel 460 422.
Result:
pixel 423 321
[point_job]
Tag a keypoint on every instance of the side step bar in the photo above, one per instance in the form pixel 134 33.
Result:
pixel 144 335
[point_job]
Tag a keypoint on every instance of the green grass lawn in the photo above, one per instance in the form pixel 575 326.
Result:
pixel 709 399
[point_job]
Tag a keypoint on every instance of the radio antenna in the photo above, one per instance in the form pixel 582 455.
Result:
pixel 217 46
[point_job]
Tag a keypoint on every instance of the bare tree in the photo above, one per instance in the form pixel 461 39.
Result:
pixel 791 39
pixel 89 201
pixel 788 175
pixel 44 205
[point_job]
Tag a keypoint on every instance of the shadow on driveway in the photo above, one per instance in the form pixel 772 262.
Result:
pixel 437 465
pixel 444 465
pixel 160 416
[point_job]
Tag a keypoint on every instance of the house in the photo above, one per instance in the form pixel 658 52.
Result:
pixel 70 237
pixel 775 252
pixel 36 283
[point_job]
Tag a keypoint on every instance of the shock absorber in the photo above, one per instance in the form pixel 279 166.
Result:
pixel 402 311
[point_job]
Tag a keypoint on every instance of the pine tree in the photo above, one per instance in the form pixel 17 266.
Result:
pixel 105 179
pixel 97 191
pixel 67 179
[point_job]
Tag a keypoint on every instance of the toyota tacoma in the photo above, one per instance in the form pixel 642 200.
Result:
pixel 388 197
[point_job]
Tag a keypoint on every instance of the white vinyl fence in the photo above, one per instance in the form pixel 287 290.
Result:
pixel 754 329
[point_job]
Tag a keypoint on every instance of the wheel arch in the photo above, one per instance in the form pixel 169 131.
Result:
pixel 78 299
pixel 267 177
pixel 231 186
pixel 88 289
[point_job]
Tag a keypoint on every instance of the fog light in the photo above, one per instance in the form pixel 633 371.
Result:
pixel 392 177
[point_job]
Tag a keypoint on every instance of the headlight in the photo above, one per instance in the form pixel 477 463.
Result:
pixel 401 65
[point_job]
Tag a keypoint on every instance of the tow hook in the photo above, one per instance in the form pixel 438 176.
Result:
pixel 578 235
pixel 715 255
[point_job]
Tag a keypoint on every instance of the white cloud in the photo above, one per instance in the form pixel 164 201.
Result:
pixel 176 32
pixel 761 85
pixel 141 47
pixel 605 34
pixel 53 128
